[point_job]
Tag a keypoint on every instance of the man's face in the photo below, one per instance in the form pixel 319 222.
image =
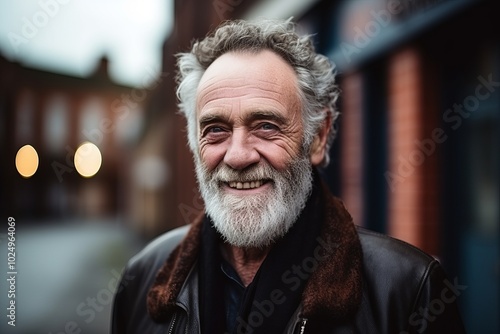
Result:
pixel 253 172
pixel 248 110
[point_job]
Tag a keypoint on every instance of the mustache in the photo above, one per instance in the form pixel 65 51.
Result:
pixel 224 173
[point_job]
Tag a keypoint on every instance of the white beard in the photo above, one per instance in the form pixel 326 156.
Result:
pixel 259 219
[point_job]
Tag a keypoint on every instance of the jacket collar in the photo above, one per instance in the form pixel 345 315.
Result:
pixel 333 290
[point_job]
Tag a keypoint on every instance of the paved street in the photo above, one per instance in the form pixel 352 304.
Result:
pixel 66 275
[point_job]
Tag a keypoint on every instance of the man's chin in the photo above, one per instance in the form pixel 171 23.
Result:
pixel 261 241
pixel 250 231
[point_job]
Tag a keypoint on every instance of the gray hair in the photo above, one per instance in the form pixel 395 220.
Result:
pixel 315 74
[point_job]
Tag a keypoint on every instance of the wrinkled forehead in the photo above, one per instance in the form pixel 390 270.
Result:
pixel 240 73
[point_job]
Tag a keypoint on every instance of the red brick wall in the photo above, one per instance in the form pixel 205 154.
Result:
pixel 351 131
pixel 413 201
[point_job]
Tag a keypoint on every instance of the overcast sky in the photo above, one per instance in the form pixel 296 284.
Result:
pixel 70 36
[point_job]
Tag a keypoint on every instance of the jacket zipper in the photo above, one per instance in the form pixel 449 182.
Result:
pixel 171 330
pixel 303 323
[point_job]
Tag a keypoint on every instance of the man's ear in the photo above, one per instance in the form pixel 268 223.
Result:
pixel 318 146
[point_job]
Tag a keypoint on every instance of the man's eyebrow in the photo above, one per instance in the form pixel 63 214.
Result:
pixel 266 115
pixel 212 118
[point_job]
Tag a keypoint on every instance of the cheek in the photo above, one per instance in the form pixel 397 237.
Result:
pixel 286 148
pixel 211 155
pixel 278 156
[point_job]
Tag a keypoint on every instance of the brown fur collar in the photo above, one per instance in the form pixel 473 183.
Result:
pixel 333 290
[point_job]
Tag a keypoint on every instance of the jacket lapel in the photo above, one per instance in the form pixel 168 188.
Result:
pixel 162 296
pixel 334 290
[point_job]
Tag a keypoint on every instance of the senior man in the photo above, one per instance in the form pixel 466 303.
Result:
pixel 274 252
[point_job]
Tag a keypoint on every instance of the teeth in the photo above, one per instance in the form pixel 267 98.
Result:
pixel 245 185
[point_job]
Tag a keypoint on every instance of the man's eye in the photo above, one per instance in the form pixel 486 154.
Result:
pixel 215 129
pixel 268 126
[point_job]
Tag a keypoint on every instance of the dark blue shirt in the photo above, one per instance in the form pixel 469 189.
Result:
pixel 234 291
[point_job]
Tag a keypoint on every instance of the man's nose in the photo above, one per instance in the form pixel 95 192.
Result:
pixel 241 153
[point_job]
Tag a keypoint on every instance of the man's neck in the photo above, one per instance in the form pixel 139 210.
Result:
pixel 246 261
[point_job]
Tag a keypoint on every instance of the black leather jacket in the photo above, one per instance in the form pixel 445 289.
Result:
pixel 402 290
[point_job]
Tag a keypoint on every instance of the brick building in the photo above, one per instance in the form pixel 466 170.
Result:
pixel 55 114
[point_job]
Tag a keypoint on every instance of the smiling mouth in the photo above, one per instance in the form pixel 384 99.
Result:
pixel 246 185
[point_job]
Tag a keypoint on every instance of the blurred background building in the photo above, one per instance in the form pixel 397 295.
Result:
pixel 417 155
